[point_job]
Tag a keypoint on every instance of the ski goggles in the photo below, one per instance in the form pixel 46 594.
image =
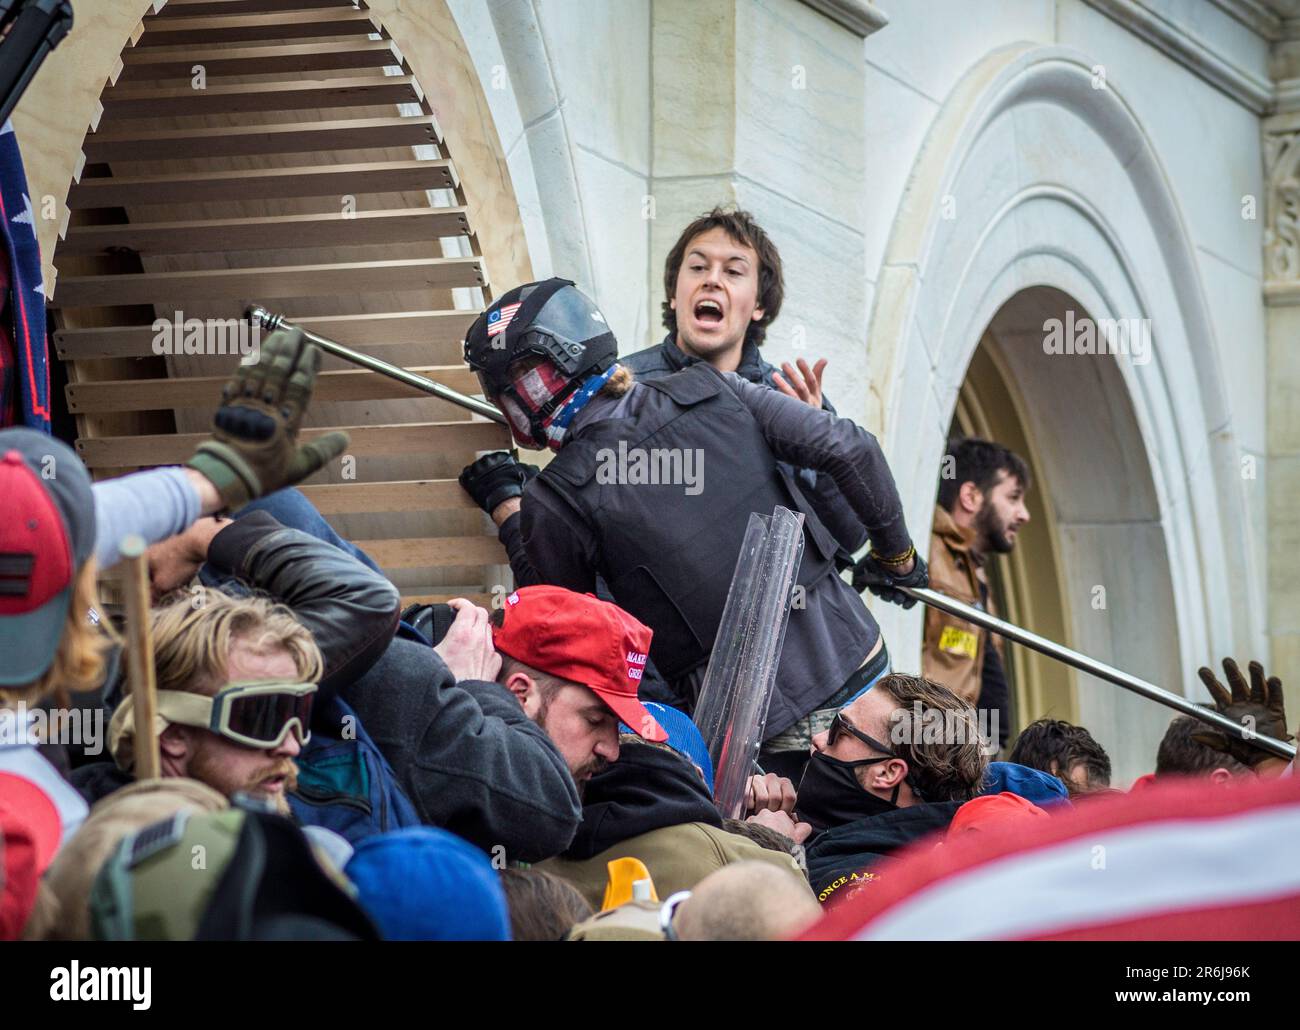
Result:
pixel 256 714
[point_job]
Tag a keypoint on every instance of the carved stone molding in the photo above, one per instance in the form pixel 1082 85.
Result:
pixel 1199 57
pixel 858 16
pixel 1256 15
pixel 1282 207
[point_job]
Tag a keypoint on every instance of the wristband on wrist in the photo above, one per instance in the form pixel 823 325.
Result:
pixel 896 560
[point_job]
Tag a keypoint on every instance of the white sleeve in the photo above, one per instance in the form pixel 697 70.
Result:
pixel 155 504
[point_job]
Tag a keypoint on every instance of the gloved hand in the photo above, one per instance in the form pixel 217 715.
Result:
pixel 870 574
pixel 253 449
pixel 1260 708
pixel 494 478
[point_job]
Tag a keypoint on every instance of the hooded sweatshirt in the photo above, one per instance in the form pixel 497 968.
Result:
pixel 653 805
pixel 842 854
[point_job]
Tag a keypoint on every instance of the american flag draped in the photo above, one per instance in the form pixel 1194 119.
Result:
pixel 24 358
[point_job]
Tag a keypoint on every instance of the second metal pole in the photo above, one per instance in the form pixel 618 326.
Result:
pixel 1099 669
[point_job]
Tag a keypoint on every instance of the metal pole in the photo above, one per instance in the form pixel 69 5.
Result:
pixel 258 315
pixel 1099 669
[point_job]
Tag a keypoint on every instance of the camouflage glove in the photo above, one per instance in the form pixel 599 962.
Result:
pixel 1258 708
pixel 253 449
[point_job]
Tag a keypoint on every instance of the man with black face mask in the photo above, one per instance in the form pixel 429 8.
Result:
pixel 894 766
pixel 980 510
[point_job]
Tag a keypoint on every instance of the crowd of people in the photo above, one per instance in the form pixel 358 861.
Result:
pixel 350 768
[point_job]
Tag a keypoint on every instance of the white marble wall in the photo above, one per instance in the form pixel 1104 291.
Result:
pixel 1208 147
pixel 569 86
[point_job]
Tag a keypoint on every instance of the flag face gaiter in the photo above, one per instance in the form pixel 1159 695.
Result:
pixel 540 403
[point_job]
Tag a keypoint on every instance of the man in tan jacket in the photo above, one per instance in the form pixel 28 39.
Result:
pixel 979 512
pixel 654 805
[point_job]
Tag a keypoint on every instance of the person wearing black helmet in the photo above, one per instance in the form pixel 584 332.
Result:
pixel 651 490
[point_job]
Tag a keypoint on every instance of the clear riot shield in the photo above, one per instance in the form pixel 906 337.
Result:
pixel 737 687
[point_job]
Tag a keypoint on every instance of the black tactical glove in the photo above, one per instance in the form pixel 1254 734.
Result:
pixel 253 449
pixel 494 478
pixel 1259 708
pixel 871 574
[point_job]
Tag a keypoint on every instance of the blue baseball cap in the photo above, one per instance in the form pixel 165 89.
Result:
pixel 683 736
pixel 425 884
pixel 1034 785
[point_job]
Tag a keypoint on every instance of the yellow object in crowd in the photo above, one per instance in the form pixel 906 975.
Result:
pixel 629 880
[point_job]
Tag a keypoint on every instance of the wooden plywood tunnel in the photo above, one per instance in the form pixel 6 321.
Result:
pixel 282 152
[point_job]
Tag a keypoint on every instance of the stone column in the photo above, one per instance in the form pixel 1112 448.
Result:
pixel 1281 144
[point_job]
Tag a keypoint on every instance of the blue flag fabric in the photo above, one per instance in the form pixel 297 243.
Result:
pixel 24 334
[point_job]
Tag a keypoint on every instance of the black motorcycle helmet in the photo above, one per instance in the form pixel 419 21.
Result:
pixel 553 320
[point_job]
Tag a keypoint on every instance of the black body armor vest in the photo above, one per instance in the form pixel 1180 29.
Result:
pixel 668 550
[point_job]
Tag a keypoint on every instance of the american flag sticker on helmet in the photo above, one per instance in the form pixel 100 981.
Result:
pixel 500 318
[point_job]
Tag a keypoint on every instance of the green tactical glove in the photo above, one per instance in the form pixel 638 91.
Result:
pixel 1258 707
pixel 253 449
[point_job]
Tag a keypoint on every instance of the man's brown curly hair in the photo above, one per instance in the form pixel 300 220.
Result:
pixel 742 229
pixel 951 768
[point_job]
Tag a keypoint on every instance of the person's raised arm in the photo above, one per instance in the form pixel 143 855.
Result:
pixel 813 438
pixel 1259 708
pixel 253 451
pixel 351 610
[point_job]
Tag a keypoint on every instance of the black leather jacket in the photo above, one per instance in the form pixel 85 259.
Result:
pixel 831 507
pixel 468 757
pixel 351 610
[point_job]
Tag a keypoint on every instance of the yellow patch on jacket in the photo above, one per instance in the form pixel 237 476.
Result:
pixel 958 641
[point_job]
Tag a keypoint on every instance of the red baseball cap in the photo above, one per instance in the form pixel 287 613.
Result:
pixel 30 830
pixel 580 638
pixel 47 532
pixel 992 811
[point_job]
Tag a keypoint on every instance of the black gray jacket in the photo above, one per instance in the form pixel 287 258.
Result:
pixel 827 501
pixel 552 540
pixel 466 754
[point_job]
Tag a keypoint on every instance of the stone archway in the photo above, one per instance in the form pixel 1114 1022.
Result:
pixel 278 68
pixel 1100 578
pixel 1027 585
pixel 1032 177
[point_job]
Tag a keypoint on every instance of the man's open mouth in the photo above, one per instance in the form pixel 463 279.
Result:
pixel 708 312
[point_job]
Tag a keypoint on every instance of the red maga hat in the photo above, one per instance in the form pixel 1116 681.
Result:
pixel 47 533
pixel 580 638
